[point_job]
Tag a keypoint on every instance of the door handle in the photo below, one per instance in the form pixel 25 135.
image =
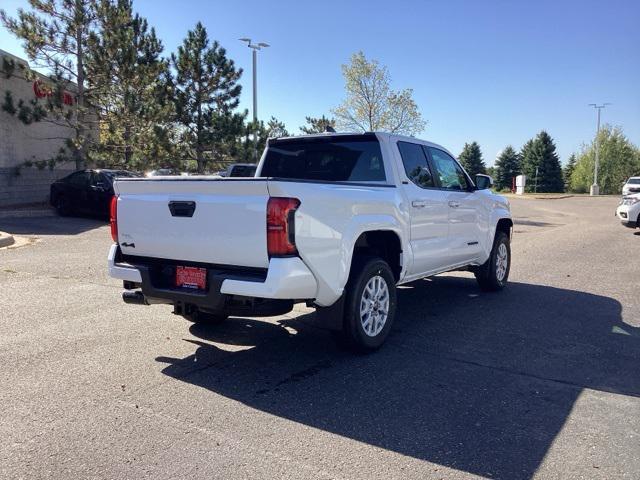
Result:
pixel 454 204
pixel 418 204
pixel 182 209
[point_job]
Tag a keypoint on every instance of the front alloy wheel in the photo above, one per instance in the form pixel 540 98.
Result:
pixel 502 262
pixel 493 274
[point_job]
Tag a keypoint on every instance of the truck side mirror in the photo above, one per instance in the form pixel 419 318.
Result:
pixel 483 182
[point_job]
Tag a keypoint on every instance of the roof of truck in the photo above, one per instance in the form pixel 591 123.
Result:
pixel 388 135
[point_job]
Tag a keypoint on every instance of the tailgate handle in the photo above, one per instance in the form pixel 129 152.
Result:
pixel 182 209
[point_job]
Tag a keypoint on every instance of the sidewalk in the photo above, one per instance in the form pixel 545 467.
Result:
pixel 31 210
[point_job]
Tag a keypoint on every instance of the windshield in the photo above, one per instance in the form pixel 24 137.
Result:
pixel 634 181
pixel 346 158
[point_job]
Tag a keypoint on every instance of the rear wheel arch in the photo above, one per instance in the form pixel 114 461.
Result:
pixel 384 244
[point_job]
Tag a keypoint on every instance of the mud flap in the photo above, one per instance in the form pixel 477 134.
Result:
pixel 331 318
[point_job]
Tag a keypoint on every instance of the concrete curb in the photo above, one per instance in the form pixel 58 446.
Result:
pixel 41 212
pixel 6 239
pixel 553 196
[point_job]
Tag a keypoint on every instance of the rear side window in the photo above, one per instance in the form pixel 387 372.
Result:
pixel 243 171
pixel 415 164
pixel 348 159
pixel 79 179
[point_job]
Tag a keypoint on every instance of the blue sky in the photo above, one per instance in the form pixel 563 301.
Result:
pixel 496 72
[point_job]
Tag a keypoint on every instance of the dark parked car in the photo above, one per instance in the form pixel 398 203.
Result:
pixel 86 191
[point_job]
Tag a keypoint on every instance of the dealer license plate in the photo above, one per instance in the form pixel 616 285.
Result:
pixel 191 277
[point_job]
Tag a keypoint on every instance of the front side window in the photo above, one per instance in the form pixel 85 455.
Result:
pixel 338 159
pixel 450 175
pixel 415 164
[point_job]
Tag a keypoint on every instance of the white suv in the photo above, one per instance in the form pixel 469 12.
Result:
pixel 632 186
pixel 629 211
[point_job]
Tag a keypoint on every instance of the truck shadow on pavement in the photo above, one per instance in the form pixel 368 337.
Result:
pixel 478 382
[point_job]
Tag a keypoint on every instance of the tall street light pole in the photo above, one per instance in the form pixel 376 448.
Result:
pixel 255 47
pixel 595 189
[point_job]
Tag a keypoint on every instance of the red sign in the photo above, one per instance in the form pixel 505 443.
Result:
pixel 43 90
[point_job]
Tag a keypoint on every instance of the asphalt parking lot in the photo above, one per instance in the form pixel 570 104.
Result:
pixel 541 380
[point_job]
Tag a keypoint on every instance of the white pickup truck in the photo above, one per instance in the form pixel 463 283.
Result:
pixel 333 220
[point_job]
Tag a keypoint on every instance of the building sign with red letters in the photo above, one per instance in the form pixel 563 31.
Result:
pixel 43 90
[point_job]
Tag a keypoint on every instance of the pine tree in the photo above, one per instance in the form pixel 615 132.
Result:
pixel 567 171
pixel 130 83
pixel 255 136
pixel 55 34
pixel 527 166
pixel 507 167
pixel 252 143
pixel 540 153
pixel 206 93
pixel 276 128
pixel 317 125
pixel 471 159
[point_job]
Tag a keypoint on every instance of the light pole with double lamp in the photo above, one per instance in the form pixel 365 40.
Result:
pixel 255 47
pixel 595 189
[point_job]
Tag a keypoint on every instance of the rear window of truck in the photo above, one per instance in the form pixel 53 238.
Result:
pixel 335 159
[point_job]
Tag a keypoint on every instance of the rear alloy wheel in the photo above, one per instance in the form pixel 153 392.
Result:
pixel 494 273
pixel 62 206
pixel 370 305
pixel 374 306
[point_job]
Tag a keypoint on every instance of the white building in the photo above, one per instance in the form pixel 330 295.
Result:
pixel 20 143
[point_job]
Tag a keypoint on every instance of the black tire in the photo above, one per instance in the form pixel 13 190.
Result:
pixel 62 206
pixel 353 334
pixel 490 277
pixel 205 318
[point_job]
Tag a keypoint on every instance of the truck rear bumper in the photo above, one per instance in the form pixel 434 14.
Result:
pixel 286 279
pixel 122 271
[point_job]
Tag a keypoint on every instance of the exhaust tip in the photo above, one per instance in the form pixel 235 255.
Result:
pixel 134 298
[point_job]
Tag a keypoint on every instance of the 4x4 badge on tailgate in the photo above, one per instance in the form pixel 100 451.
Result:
pixel 125 244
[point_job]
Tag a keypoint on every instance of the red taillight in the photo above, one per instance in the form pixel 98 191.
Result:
pixel 113 217
pixel 280 226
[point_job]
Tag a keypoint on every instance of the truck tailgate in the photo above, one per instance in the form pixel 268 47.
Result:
pixel 227 225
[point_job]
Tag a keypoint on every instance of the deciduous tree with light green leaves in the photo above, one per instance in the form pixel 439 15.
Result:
pixel 371 104
pixel 471 159
pixel 619 160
